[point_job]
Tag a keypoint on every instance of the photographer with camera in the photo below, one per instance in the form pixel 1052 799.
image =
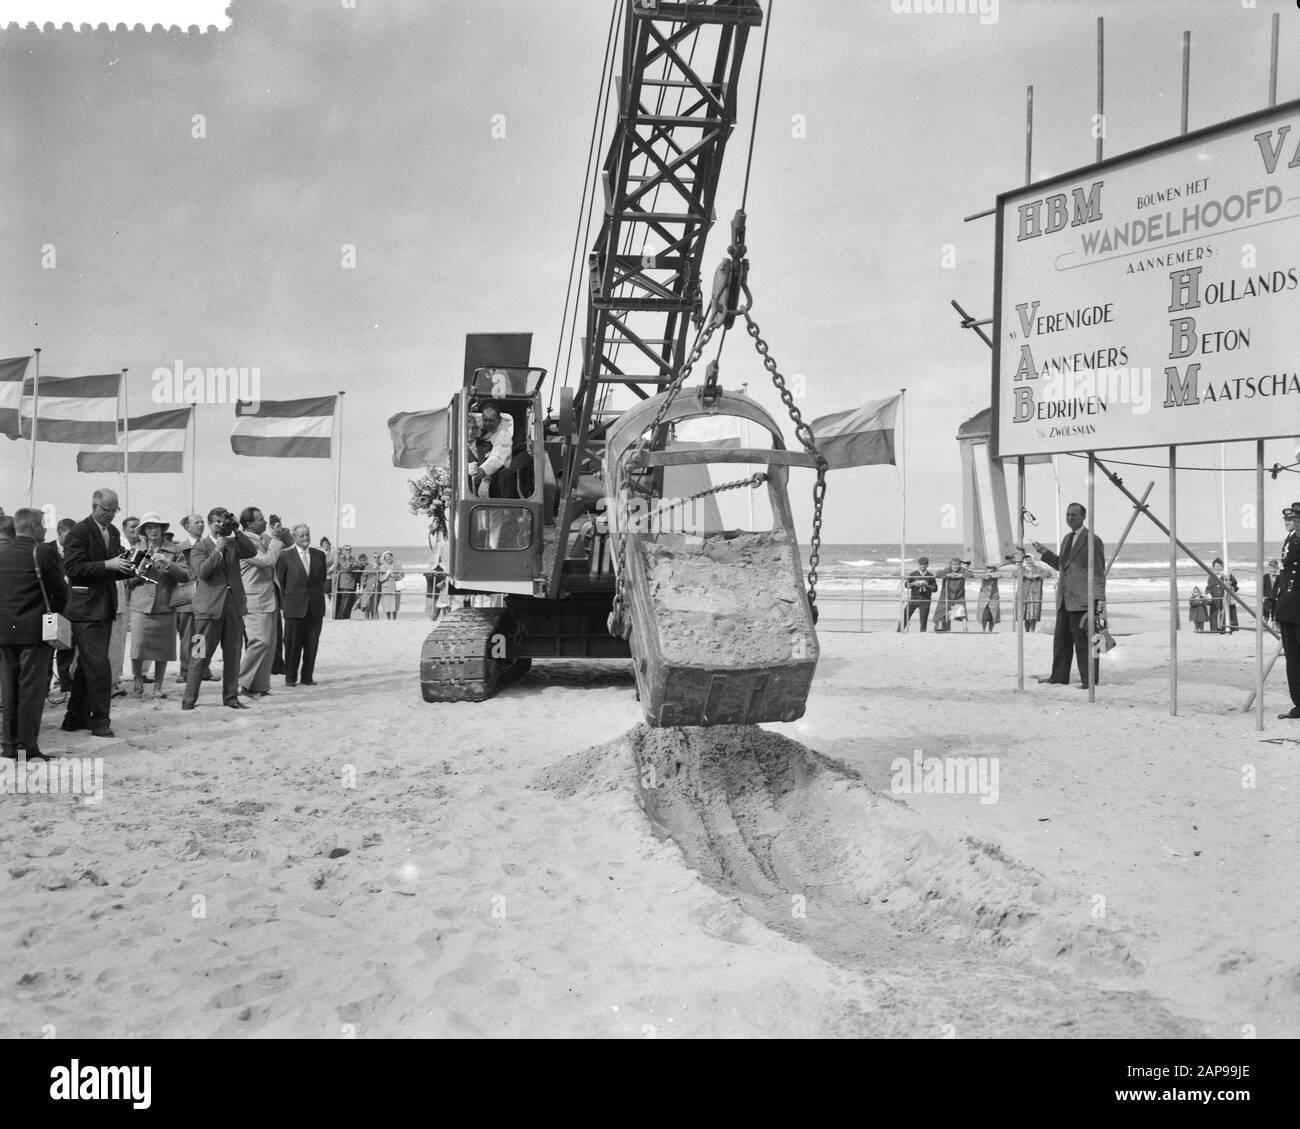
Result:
pixel 153 620
pixel 93 564
pixel 219 605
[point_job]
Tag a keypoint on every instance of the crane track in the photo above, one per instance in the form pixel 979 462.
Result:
pixel 458 663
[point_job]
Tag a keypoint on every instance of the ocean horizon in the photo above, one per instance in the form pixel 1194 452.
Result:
pixel 1138 559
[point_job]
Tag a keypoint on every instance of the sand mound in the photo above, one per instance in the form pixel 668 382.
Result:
pixel 790 831
pixel 730 599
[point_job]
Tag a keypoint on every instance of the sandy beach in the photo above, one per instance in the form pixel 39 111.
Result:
pixel 348 861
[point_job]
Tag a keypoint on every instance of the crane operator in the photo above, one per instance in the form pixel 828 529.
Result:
pixel 493 443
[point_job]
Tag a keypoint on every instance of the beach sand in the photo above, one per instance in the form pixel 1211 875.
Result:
pixel 349 861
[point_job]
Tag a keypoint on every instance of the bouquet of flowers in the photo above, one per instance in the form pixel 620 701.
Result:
pixel 429 495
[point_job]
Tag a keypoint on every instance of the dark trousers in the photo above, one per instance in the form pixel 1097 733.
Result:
pixel 1070 643
pixel 343 610
pixel 185 642
pixel 277 663
pixel 92 680
pixel 24 675
pixel 1290 633
pixel 63 665
pixel 301 640
pixel 227 630
pixel 184 638
pixel 914 605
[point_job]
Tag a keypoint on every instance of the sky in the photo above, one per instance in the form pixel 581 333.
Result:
pixel 325 127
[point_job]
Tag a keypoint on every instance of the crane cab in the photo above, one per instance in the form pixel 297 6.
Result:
pixel 495 525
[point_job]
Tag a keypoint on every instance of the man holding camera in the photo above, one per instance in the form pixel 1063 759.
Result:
pixel 219 605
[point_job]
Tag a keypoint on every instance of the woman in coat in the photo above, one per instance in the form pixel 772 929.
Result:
pixel 1029 594
pixel 390 595
pixel 988 609
pixel 1198 609
pixel 367 579
pixel 952 595
pixel 345 576
pixel 153 622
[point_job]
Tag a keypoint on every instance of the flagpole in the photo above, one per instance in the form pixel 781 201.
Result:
pixel 126 447
pixel 36 403
pixel 902 483
pixel 194 451
pixel 1223 536
pixel 338 488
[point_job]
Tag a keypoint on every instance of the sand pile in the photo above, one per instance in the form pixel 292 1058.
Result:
pixel 730 599
pixel 764 817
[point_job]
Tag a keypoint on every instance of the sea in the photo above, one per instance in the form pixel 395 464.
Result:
pixel 1138 560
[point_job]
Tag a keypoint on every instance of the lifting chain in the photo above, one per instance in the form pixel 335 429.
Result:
pixel 616 624
pixel 805 436
pixel 754 481
pixel 732 279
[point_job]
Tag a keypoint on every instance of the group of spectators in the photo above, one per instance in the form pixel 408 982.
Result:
pixel 949 585
pixel 245 584
pixel 356 583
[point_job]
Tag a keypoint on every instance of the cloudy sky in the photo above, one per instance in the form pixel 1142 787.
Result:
pixel 372 126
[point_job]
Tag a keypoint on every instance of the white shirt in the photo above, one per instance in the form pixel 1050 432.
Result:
pixel 502 440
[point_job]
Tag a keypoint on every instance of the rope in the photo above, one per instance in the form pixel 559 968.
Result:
pixel 758 94
pixel 1274 470
pixel 588 192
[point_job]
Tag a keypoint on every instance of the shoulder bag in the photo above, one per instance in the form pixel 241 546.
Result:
pixel 56 630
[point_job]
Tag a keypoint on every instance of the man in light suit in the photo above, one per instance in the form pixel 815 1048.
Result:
pixel 219 607
pixel 258 573
pixel 93 563
pixel 1073 624
pixel 300 572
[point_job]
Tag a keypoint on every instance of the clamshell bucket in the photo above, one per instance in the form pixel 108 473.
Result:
pixel 718 620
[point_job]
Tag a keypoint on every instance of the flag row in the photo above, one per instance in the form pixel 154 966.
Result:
pixel 862 436
pixel 85 410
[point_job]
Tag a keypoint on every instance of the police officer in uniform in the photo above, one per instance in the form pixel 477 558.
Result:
pixel 1286 611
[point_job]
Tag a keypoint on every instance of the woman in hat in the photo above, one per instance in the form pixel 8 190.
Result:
pixel 153 622
pixel 390 595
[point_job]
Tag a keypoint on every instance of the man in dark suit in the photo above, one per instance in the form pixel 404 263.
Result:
pixel 92 561
pixel 300 573
pixel 24 656
pixel 1286 606
pixel 219 607
pixel 1074 625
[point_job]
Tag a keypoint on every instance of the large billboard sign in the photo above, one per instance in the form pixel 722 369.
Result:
pixel 1153 299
